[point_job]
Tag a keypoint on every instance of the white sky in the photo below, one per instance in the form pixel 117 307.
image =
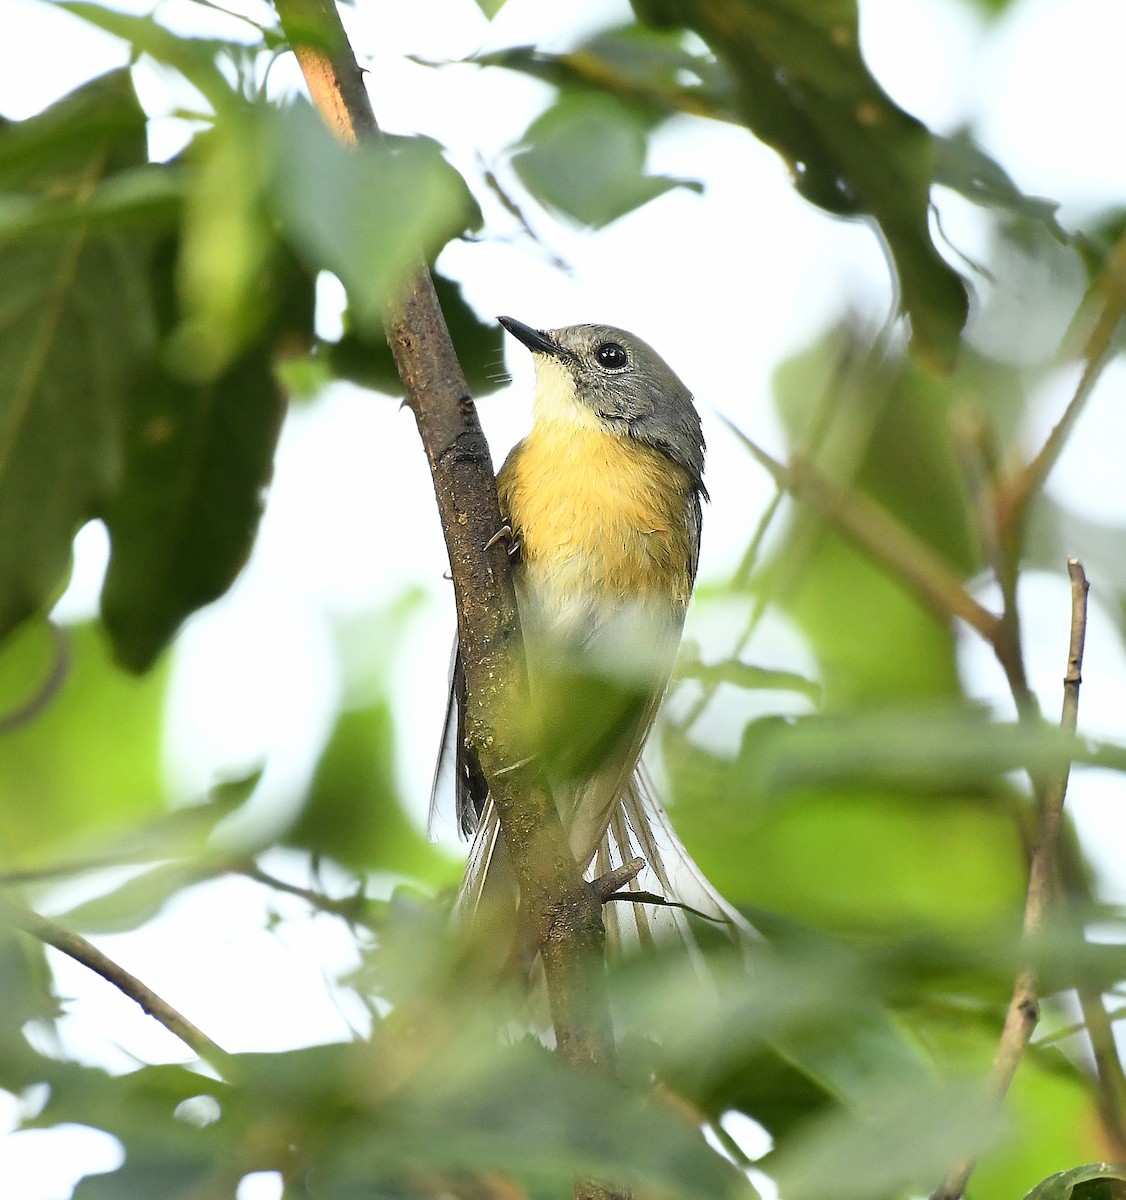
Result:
pixel 725 285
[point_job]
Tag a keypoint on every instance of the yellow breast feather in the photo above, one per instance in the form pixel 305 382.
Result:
pixel 599 514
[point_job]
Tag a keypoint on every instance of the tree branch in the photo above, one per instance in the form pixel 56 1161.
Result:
pixel 75 946
pixel 566 914
pixel 1024 1012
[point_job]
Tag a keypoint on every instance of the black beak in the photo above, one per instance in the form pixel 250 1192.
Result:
pixel 535 339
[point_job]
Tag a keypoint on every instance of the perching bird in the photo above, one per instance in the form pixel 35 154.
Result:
pixel 603 503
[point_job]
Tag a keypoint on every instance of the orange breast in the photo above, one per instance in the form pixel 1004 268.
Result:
pixel 599 516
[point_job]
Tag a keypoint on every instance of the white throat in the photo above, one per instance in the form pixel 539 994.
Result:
pixel 556 401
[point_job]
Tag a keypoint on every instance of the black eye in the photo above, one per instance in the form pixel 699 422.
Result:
pixel 611 356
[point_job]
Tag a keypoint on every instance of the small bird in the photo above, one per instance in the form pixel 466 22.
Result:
pixel 603 505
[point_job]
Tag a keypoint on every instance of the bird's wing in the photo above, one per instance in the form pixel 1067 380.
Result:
pixel 457 766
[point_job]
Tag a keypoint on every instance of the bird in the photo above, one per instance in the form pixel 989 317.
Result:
pixel 602 504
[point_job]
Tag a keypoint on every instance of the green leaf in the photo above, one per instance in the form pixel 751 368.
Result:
pixel 146 198
pixel 849 853
pixel 183 522
pixel 962 165
pixel 75 326
pixel 365 212
pixel 585 157
pixel 353 813
pixel 899 1140
pixel 353 810
pixel 636 64
pixel 227 246
pixel 89 763
pixel 136 901
pixel 1094 1181
pixel 490 7
pixel 802 87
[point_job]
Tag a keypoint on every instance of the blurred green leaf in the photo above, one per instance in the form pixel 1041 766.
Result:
pixel 856 855
pixel 900 1139
pixel 802 87
pixel 75 327
pixel 198 459
pixel 490 7
pixel 227 246
pixel 1053 1118
pixel 335 1115
pixel 138 900
pixel 353 812
pixel 962 165
pixel 585 156
pixel 89 763
pixel 742 675
pixel 637 65
pixel 386 203
pixel 194 58
pixel 1094 1181
pixel 138 198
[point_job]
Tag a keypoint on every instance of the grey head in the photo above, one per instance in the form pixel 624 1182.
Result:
pixel 627 384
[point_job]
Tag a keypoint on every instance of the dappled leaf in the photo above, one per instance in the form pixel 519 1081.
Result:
pixel 586 157
pixel 802 87
pixel 75 328
pixel 848 852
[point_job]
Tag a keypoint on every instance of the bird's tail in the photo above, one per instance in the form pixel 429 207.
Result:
pixel 654 909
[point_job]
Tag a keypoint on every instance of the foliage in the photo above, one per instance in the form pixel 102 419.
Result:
pixel 875 823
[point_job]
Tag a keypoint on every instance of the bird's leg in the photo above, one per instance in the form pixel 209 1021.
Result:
pixel 504 534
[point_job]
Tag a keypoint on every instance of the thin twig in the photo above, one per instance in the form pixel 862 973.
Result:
pixel 1024 1011
pixel 75 946
pixel 56 676
pixel 1099 1022
pixel 880 535
pixel 606 885
pixel 1096 350
pixel 350 908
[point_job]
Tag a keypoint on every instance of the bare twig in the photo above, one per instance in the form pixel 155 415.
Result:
pixel 1014 496
pixel 606 885
pixel 1109 1076
pixel 350 908
pixel 566 914
pixel 75 946
pixel 1024 1009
